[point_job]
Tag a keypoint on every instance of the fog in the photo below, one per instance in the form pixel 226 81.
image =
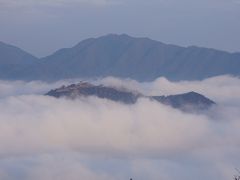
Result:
pixel 90 138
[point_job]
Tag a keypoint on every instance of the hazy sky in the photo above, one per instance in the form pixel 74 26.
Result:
pixel 43 26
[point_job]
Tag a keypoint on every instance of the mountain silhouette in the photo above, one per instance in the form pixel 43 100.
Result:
pixel 188 102
pixel 123 56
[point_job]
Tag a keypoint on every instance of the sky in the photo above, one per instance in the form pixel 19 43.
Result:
pixel 44 26
pixel 46 138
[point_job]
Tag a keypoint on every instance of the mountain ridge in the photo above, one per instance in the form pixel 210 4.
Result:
pixel 13 60
pixel 124 56
pixel 188 102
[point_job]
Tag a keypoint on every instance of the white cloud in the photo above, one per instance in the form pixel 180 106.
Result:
pixel 222 89
pixel 89 138
pixel 46 124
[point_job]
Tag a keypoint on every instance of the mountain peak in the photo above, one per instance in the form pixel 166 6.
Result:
pixel 86 89
pixel 190 102
pixel 125 37
pixel 112 35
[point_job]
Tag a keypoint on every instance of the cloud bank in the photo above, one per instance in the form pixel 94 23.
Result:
pixel 90 138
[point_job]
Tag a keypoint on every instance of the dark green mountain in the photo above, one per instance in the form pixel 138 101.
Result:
pixel 127 57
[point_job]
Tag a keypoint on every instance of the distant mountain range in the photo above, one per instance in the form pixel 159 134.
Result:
pixel 122 56
pixel 188 102
pixel 13 61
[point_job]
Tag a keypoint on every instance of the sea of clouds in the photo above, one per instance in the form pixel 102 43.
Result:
pixel 45 138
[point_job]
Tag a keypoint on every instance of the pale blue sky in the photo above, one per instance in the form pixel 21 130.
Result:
pixel 41 27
